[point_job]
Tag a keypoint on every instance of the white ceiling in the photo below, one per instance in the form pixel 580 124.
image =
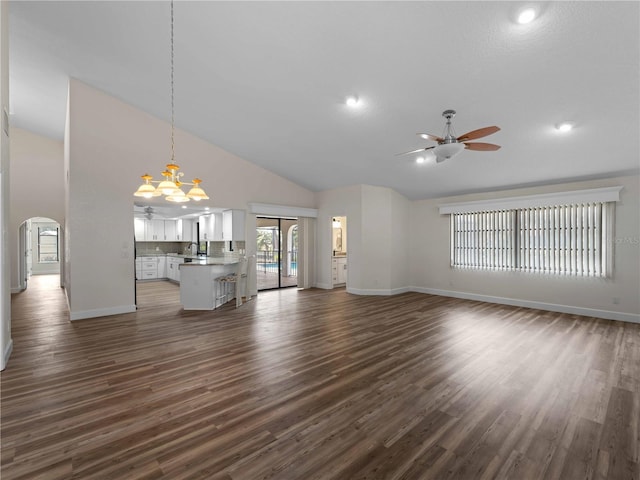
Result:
pixel 268 81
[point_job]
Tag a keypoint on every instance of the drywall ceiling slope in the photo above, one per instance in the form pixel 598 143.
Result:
pixel 267 81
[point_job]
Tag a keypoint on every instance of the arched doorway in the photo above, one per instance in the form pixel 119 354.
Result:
pixel 40 249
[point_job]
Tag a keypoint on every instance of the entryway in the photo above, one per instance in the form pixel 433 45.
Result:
pixel 276 252
pixel 40 249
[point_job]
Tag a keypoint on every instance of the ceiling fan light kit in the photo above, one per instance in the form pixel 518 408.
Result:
pixel 565 127
pixel 526 16
pixel 449 145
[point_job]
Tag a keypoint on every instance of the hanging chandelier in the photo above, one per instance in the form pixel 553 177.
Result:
pixel 171 185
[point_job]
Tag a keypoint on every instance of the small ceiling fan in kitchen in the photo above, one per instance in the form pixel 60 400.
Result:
pixel 449 145
pixel 148 212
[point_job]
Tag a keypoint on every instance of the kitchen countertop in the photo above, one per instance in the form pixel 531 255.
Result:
pixel 162 254
pixel 210 261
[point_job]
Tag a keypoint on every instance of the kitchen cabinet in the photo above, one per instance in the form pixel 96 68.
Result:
pixel 217 227
pixel 162 267
pixel 206 227
pixel 163 230
pixel 233 225
pixel 184 230
pixel 170 231
pixel 173 268
pixel 139 228
pixel 339 270
pixel 155 230
pixel 150 268
pixel 146 268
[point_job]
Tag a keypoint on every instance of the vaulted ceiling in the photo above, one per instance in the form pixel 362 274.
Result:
pixel 268 81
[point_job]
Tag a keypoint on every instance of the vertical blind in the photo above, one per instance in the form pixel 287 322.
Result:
pixel 568 239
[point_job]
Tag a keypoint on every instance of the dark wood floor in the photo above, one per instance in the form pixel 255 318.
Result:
pixel 318 385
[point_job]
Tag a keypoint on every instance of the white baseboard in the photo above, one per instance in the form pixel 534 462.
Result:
pixel 6 354
pixel 376 291
pixel 324 286
pixel 587 312
pixel 17 289
pixel 101 312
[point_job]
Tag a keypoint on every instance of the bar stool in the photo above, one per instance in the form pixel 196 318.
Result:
pixel 238 280
pixel 223 290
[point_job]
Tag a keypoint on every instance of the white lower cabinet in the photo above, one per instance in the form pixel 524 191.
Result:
pixel 149 268
pixel 339 270
pixel 162 267
pixel 173 268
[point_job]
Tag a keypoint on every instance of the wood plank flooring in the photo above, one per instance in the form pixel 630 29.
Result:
pixel 318 384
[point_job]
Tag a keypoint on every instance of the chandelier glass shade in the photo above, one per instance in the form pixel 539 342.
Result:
pixel 171 185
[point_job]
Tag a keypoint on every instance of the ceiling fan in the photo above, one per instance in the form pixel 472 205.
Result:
pixel 148 212
pixel 449 145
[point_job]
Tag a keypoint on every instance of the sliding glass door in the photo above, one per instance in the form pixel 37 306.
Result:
pixel 277 252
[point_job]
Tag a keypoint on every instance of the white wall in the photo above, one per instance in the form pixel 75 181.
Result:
pixel 384 228
pixel 429 268
pixel 110 144
pixel 37 162
pixel 377 238
pixel 345 202
pixel 5 275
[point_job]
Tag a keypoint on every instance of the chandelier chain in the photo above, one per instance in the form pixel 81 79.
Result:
pixel 172 87
pixel 171 185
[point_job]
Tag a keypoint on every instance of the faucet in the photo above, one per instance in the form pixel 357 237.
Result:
pixel 188 247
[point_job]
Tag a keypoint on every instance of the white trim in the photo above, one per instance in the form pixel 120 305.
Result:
pixel 375 291
pixel 101 312
pixel 324 286
pixel 588 312
pixel 6 354
pixel 605 194
pixel 17 289
pixel 282 210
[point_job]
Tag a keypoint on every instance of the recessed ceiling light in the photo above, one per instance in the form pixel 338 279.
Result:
pixel 353 101
pixel 184 206
pixel 420 160
pixel 565 127
pixel 206 208
pixel 526 16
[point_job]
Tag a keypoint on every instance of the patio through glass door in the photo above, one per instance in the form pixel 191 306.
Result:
pixel 276 252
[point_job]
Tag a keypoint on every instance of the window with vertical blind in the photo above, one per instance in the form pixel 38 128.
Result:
pixel 569 239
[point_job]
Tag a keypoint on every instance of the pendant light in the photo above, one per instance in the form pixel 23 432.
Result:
pixel 170 186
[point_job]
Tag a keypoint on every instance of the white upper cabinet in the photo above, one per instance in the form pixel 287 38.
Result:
pixel 184 230
pixel 217 227
pixel 170 231
pixel 206 227
pixel 155 231
pixel 139 227
pixel 233 225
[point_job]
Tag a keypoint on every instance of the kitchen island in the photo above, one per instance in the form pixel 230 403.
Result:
pixel 198 286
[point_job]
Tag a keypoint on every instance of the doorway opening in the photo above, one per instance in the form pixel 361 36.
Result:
pixel 40 247
pixel 276 252
pixel 339 251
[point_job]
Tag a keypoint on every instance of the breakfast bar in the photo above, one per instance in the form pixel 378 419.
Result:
pixel 198 281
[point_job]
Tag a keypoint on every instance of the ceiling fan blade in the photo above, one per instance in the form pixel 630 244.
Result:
pixel 415 151
pixel 482 147
pixel 428 136
pixel 481 132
